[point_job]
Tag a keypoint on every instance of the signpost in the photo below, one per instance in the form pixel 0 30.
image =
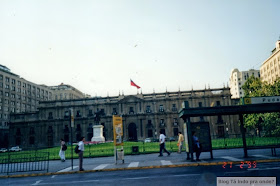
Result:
pixel 118 138
pixel 72 126
pixel 259 100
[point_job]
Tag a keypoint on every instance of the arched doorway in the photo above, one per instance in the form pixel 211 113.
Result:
pixel 132 132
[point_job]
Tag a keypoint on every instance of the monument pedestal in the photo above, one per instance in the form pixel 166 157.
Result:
pixel 98 133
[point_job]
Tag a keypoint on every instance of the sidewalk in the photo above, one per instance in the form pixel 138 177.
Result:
pixel 153 161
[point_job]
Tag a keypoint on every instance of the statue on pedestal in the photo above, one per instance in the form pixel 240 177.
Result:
pixel 97 128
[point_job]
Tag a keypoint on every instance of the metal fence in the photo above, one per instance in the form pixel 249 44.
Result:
pixel 24 162
pixel 235 141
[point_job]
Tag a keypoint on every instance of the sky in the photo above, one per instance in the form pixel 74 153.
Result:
pixel 97 46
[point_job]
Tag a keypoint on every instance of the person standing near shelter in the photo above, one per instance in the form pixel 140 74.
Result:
pixel 162 144
pixel 81 153
pixel 196 145
pixel 180 142
pixel 62 150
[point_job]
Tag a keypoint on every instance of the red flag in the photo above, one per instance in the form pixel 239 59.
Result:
pixel 133 84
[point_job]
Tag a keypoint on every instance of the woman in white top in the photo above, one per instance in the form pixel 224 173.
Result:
pixel 62 152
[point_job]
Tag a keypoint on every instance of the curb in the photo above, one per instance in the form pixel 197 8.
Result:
pixel 135 168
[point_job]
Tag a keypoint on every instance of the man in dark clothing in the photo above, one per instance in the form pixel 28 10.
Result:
pixel 196 146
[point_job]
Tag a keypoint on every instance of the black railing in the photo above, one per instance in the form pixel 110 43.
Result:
pixel 24 162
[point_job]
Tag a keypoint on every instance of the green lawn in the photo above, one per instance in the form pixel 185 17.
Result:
pixel 107 149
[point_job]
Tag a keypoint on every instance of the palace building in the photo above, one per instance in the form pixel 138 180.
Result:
pixel 144 115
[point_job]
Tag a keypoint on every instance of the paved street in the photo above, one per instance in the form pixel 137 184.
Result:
pixel 199 175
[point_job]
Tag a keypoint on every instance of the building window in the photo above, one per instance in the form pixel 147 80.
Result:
pixel 148 109
pixel 161 123
pixel 7 86
pixel 218 103
pixel 114 111
pixel 66 114
pixel 19 83
pixel 102 111
pixel 131 111
pixel 50 115
pixel 161 108
pixel 7 79
pixel 175 131
pixel 31 131
pixel 175 122
pixel 90 113
pixel 174 108
pixel 200 104
pixel 78 113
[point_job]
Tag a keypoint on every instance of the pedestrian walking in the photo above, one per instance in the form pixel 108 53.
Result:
pixel 62 150
pixel 180 142
pixel 81 153
pixel 196 146
pixel 162 144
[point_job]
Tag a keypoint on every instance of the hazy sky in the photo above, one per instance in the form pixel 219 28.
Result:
pixel 98 45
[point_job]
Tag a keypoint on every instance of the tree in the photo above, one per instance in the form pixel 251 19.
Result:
pixel 268 122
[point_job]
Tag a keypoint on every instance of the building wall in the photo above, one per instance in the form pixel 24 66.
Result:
pixel 144 115
pixel 237 80
pixel 270 69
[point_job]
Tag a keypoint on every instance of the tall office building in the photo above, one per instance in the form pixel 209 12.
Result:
pixel 237 80
pixel 19 95
pixel 270 69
